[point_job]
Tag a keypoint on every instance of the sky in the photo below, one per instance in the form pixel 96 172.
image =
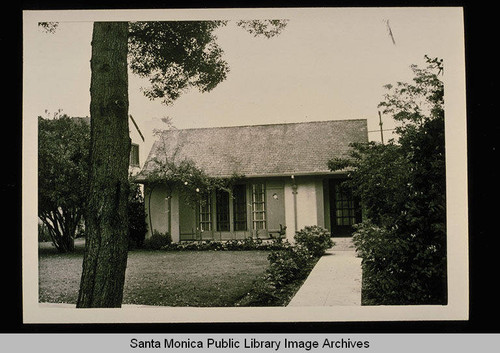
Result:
pixel 327 64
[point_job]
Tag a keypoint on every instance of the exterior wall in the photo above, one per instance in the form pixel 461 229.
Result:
pixel 310 205
pixel 156 205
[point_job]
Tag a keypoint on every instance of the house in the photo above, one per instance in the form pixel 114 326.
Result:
pixel 286 186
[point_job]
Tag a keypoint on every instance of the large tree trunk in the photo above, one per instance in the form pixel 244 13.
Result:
pixel 105 259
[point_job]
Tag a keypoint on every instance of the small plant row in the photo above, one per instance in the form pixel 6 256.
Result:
pixel 163 241
pixel 228 245
pixel 288 267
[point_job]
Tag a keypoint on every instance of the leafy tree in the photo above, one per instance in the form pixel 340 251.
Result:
pixel 63 159
pixel 402 187
pixel 175 56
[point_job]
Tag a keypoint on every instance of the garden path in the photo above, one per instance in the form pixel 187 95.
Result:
pixel 335 280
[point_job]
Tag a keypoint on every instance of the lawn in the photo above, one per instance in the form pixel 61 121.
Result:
pixel 189 278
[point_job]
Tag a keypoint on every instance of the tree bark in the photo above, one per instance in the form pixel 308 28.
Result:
pixel 105 259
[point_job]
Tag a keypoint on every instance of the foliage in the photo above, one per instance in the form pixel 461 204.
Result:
pixel 48 27
pixel 400 268
pixel 402 189
pixel 179 55
pixel 315 239
pixel 228 245
pixel 176 56
pixel 182 174
pixel 157 241
pixel 63 145
pixel 43 233
pixel 267 28
pixel 289 266
pixel 136 217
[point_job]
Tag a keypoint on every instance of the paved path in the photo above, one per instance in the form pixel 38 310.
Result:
pixel 335 280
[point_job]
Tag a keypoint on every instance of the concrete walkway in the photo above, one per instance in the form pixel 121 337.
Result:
pixel 335 280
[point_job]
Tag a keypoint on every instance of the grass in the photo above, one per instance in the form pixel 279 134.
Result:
pixel 190 278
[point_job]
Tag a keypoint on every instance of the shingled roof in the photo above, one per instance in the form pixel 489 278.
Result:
pixel 260 150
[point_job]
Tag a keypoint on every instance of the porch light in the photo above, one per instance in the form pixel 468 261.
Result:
pixel 275 196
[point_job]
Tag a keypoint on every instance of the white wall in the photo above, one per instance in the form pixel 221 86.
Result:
pixel 156 209
pixel 309 200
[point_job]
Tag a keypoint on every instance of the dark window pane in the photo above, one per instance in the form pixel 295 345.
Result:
pixel 240 207
pixel 222 209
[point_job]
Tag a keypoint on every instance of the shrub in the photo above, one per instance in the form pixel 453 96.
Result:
pixel 157 241
pixel 402 186
pixel 43 232
pixel 399 270
pixel 137 226
pixel 289 265
pixel 315 239
pixel 246 244
pixel 263 293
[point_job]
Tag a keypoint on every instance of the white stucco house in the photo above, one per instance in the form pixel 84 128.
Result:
pixel 286 184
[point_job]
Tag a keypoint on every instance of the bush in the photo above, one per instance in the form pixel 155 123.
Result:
pixel 315 239
pixel 157 241
pixel 402 186
pixel 43 233
pixel 289 265
pixel 246 244
pixel 399 270
pixel 263 293
pixel 137 226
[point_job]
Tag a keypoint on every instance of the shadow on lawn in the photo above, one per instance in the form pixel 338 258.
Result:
pixel 47 248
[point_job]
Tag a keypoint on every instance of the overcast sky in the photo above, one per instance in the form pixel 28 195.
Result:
pixel 327 64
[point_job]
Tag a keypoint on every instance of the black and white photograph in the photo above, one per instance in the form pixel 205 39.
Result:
pixel 244 165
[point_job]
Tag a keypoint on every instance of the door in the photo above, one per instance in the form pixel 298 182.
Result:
pixel 187 220
pixel 344 209
pixel 275 200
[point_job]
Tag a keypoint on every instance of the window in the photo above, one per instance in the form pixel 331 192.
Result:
pixel 258 206
pixel 240 207
pixel 206 214
pixel 222 210
pixel 134 155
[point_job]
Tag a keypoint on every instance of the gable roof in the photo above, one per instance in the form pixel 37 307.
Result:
pixel 260 150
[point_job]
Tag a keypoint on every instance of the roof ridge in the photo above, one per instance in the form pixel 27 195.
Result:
pixel 257 125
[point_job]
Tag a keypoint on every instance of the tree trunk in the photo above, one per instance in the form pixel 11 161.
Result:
pixel 105 258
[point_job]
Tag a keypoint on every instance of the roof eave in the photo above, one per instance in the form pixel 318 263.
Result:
pixel 142 179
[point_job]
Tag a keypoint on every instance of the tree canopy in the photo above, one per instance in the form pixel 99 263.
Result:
pixel 63 162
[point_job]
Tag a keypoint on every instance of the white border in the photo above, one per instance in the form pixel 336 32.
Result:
pixel 457 308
